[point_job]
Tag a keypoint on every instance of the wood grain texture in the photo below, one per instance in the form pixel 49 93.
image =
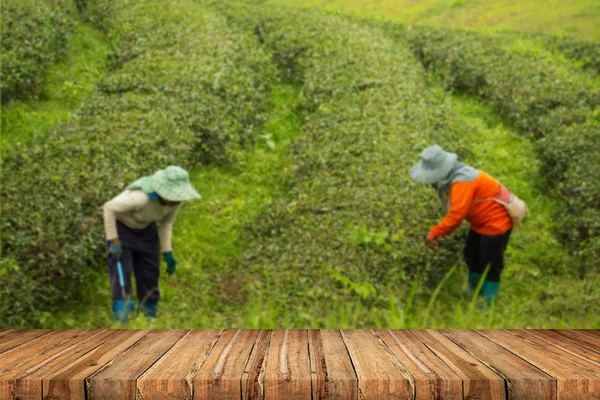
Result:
pixel 28 384
pixel 318 367
pixel 333 375
pixel 172 375
pixel 16 338
pixel 479 382
pixel 591 332
pixel 34 349
pixel 116 380
pixel 592 342
pixel 221 374
pixel 287 369
pixel 4 332
pixel 69 381
pixel 563 335
pixel 380 374
pixel 574 351
pixel 433 378
pixel 300 364
pixel 39 353
pixel 524 381
pixel 254 372
pixel 573 380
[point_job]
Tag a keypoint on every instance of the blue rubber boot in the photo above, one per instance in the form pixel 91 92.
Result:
pixel 149 309
pixel 489 291
pixel 473 281
pixel 122 309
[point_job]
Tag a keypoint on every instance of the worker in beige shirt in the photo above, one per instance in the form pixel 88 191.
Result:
pixel 134 239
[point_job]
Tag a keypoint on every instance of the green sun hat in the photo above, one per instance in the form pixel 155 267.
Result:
pixel 434 166
pixel 171 183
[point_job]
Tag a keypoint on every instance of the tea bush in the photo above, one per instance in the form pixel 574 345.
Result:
pixel 585 53
pixel 354 219
pixel 184 86
pixel 34 34
pixel 552 100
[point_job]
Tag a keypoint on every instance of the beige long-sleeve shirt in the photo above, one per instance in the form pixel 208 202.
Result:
pixel 136 210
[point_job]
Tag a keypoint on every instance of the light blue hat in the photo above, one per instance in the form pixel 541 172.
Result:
pixel 435 165
pixel 171 183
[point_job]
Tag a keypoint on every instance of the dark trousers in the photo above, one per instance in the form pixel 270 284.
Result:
pixel 481 250
pixel 140 255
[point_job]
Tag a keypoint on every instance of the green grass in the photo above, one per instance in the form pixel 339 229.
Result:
pixel 68 83
pixel 576 18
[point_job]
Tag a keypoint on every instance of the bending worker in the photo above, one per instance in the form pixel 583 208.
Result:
pixel 465 192
pixel 130 222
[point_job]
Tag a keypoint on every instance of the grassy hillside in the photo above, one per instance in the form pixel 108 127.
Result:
pixel 579 18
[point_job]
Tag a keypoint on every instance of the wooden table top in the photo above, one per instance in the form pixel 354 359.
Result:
pixel 299 364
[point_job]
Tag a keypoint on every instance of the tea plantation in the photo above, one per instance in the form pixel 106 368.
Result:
pixel 298 128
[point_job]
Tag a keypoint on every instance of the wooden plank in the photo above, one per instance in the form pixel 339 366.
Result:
pixel 172 375
pixel 254 372
pixel 590 332
pixel 69 381
pixel 116 380
pixel 573 380
pixel 587 337
pixel 333 375
pixel 27 379
pixel 380 374
pixel 560 351
pixel 17 338
pixel 576 338
pixel 36 348
pixel 577 353
pixel 524 381
pixel 479 382
pixel 4 332
pixel 318 368
pixel 220 375
pixel 27 359
pixel 433 378
pixel 287 369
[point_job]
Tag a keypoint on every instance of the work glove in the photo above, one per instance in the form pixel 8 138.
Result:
pixel 115 250
pixel 171 263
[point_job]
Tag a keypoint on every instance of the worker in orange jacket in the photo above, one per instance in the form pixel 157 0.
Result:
pixel 465 191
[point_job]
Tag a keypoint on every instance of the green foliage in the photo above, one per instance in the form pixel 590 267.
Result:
pixel 550 99
pixel 34 35
pixel 585 53
pixel 67 84
pixel 183 87
pixel 16 310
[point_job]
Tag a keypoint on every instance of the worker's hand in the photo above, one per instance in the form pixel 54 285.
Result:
pixel 431 242
pixel 171 263
pixel 115 249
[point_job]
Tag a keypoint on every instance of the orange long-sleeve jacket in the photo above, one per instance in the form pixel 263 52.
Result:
pixel 486 217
